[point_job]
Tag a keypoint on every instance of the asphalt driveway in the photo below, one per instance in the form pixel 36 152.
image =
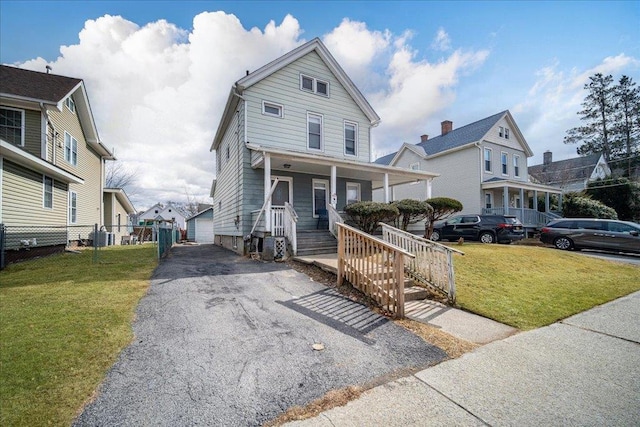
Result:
pixel 225 340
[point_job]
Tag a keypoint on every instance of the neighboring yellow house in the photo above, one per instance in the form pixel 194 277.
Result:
pixel 117 214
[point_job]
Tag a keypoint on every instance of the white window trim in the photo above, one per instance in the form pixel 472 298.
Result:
pixel 484 162
pixel 314 85
pixel 274 105
pixel 313 193
pixel 70 218
pixel 44 191
pixel 289 179
pixel 506 133
pixel 72 140
pixel 309 114
pixel 22 123
pixel 501 131
pixel 355 136
pixel 70 104
pixel 504 165
pixel 516 165
pixel 490 200
pixel 353 184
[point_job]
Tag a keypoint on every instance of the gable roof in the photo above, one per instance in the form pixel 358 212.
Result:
pixel 26 87
pixel 569 170
pixel 278 64
pixel 123 199
pixel 462 136
pixel 202 212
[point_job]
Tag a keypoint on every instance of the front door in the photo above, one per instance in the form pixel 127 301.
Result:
pixel 320 197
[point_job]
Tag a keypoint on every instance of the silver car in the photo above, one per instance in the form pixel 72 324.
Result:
pixel 589 233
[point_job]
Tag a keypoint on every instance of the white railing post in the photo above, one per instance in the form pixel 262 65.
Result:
pixel 334 218
pixel 290 226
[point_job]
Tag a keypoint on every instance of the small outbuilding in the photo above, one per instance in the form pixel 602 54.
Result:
pixel 200 227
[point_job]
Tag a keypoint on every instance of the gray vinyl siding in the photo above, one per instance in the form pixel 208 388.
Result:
pixel 89 167
pixel 496 162
pixel 229 197
pixel 112 209
pixel 22 198
pixel 290 132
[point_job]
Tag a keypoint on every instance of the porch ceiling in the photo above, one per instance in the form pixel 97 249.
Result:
pixel 317 164
pixel 519 184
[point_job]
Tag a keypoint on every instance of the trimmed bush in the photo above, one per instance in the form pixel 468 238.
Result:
pixel 411 211
pixel 443 207
pixel 367 215
pixel 578 205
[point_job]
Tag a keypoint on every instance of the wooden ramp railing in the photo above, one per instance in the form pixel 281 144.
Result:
pixel 373 266
pixel 432 263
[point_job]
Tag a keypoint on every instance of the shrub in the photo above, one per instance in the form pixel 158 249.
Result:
pixel 578 205
pixel 411 211
pixel 618 193
pixel 443 207
pixel 367 215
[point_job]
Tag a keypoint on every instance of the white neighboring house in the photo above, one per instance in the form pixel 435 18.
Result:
pixel 482 164
pixel 570 174
pixel 167 213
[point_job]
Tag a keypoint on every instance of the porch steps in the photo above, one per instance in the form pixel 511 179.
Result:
pixel 316 242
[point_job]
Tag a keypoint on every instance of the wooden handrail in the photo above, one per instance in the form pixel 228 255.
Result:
pixel 377 240
pixel 421 239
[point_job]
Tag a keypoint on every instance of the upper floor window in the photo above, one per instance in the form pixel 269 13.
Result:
pixel 504 159
pixel 487 159
pixel 503 132
pixel 70 149
pixel 350 138
pixel 47 192
pixel 272 109
pixel 12 125
pixel 311 84
pixel 314 131
pixel 73 207
pixel 506 133
pixel 353 192
pixel 516 165
pixel 70 104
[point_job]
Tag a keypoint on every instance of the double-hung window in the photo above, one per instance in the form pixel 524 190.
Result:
pixel 353 192
pixel 12 125
pixel 314 131
pixel 70 104
pixel 504 162
pixel 47 192
pixel 487 159
pixel 506 133
pixel 516 165
pixel 350 138
pixel 70 149
pixel 73 207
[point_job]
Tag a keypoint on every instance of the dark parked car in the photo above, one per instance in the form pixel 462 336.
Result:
pixel 588 233
pixel 485 228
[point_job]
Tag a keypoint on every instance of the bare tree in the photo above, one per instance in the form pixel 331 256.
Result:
pixel 192 206
pixel 119 176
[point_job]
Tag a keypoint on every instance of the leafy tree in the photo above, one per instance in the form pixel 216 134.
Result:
pixel 618 193
pixel 411 211
pixel 597 115
pixel 367 215
pixel 626 132
pixel 579 205
pixel 443 207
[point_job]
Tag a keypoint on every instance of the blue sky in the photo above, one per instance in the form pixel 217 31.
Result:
pixel 468 60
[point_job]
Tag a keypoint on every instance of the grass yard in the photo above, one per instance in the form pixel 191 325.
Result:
pixel 528 287
pixel 63 322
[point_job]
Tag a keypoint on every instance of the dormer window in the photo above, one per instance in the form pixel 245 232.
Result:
pixel 70 104
pixel 506 133
pixel 503 132
pixel 311 84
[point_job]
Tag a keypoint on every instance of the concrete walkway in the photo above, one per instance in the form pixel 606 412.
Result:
pixel 583 371
pixel 461 324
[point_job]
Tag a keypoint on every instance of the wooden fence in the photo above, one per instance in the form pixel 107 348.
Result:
pixel 373 266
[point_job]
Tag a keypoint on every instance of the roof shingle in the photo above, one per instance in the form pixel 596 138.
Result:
pixel 32 84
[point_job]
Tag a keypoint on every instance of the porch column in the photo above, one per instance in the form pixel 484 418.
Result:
pixel 505 199
pixel 560 203
pixel 522 204
pixel 334 188
pixel 267 190
pixel 386 187
pixel 429 182
pixel 535 200
pixel 546 201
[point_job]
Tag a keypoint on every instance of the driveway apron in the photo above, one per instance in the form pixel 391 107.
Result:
pixel 225 340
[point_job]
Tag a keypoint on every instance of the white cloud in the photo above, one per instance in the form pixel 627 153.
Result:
pixel 442 41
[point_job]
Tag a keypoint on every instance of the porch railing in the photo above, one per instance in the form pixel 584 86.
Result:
pixel 290 226
pixel 277 221
pixel 373 266
pixel 528 217
pixel 432 264
pixel 258 216
pixel 334 218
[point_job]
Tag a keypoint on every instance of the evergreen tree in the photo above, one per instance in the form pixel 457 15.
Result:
pixel 626 131
pixel 597 115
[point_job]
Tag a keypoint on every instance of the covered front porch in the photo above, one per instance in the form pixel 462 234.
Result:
pixel 506 197
pixel 303 191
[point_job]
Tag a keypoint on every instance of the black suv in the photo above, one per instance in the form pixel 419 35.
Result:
pixel 485 228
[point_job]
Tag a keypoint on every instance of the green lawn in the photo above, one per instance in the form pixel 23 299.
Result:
pixel 63 322
pixel 528 287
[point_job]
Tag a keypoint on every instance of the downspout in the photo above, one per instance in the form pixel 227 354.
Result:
pixel 480 164
pixel 54 135
pixel 240 146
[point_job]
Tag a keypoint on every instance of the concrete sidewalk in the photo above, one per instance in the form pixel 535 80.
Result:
pixel 584 370
pixel 461 324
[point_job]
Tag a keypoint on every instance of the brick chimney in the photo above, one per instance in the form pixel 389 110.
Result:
pixel 547 158
pixel 447 126
pixel 423 138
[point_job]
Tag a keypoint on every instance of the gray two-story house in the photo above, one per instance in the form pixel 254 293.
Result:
pixel 293 146
pixel 482 164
